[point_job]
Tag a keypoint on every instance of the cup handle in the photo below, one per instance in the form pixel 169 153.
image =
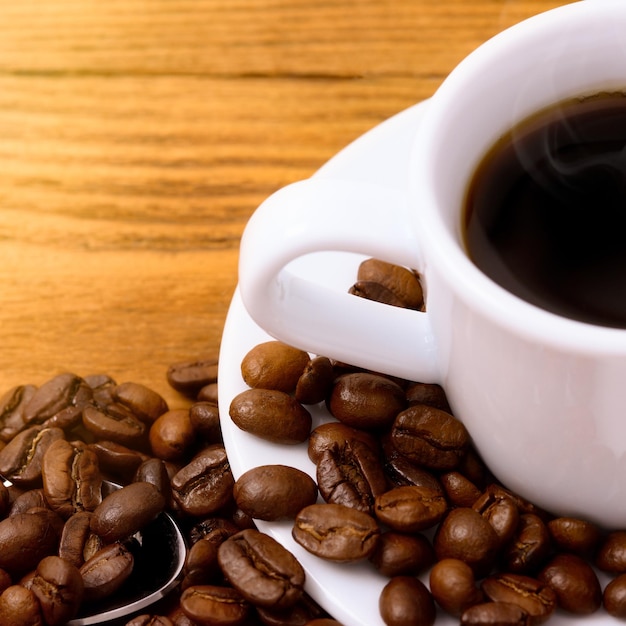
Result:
pixel 321 214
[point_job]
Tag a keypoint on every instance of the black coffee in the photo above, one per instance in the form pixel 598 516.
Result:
pixel 545 215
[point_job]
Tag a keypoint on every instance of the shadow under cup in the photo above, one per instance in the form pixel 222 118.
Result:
pixel 541 395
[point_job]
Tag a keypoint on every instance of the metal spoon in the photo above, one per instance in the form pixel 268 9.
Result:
pixel 159 550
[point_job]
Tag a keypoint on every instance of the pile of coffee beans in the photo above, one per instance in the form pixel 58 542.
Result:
pixel 398 487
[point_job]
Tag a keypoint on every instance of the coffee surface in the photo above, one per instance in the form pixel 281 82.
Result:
pixel 545 214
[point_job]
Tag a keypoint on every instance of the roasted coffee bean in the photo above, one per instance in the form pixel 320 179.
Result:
pixel 459 490
pixel 72 480
pixel 21 459
pixel 274 492
pixel 5 500
pixel 19 607
pixel 410 509
pixel 154 471
pixel 172 435
pixel 115 422
pixel 274 365
pixel 536 598
pixel 316 381
pixel 27 500
pixel 78 543
pixel 58 586
pixel 365 400
pixel 323 621
pixel 336 532
pixel 179 618
pixel 150 620
pixel 53 519
pixel 261 569
pixel 215 529
pixel 143 402
pixel 614 597
pixel 189 377
pixel 106 571
pixel 427 393
pixel 201 565
pixel 405 600
pixel 205 420
pixel 454 587
pixel 466 535
pixel 430 437
pixel 500 510
pixel 402 472
pixel 303 613
pixel 575 582
pixel 611 556
pixel 117 460
pixel 331 434
pixel 530 546
pixel 351 474
pixel 404 283
pixel 215 605
pixel 25 540
pixel 208 393
pixel 371 290
pixel 12 405
pixel 118 516
pixel 271 415
pixel 496 614
pixel 59 401
pixel 102 386
pixel 399 554
pixel 574 535
pixel 205 484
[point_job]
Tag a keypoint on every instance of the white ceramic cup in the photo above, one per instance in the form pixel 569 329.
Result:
pixel 543 397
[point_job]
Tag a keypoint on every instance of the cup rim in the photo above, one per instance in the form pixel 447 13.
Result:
pixel 479 291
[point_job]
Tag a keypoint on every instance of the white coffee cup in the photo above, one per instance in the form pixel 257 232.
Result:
pixel 543 397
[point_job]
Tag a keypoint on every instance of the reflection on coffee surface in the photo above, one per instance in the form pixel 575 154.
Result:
pixel 545 214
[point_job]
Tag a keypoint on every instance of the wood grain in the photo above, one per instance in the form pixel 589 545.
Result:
pixel 137 137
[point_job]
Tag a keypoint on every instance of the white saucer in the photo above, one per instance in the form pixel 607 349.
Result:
pixel 348 592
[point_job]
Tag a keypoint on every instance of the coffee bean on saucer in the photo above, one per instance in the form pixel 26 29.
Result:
pixel 406 600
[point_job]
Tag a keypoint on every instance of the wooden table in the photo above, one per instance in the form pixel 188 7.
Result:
pixel 137 137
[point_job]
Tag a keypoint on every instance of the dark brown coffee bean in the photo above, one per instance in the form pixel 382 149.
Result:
pixel 212 604
pixel 303 613
pixel 399 554
pixel 364 400
pixel 316 381
pixel 118 516
pixel 453 585
pixel 574 535
pixel 205 420
pixel 25 539
pixel 460 491
pixel 274 365
pixel 323 621
pixel 201 565
pixel 188 377
pixel 21 459
pixel 496 614
pixel 28 500
pixel 150 620
pixel 336 532
pixel 427 393
pixel 106 571
pixel 205 484
pixel 274 492
pixel 402 472
pixel 575 582
pixel 117 460
pixel 464 534
pixel 59 401
pixel 19 607
pixel 535 597
pixel 172 435
pixel 614 597
pixel 58 586
pixel 406 600
pixel 78 543
pixel 215 529
pixel 351 474
pixel 12 405
pixel 410 509
pixel 371 290
pixel 404 283
pixel 500 510
pixel 261 569
pixel 271 415
pixel 331 434
pixel 611 555
pixel 154 471
pixel 530 546
pixel 115 422
pixel 430 437
pixel 143 402
pixel 72 480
